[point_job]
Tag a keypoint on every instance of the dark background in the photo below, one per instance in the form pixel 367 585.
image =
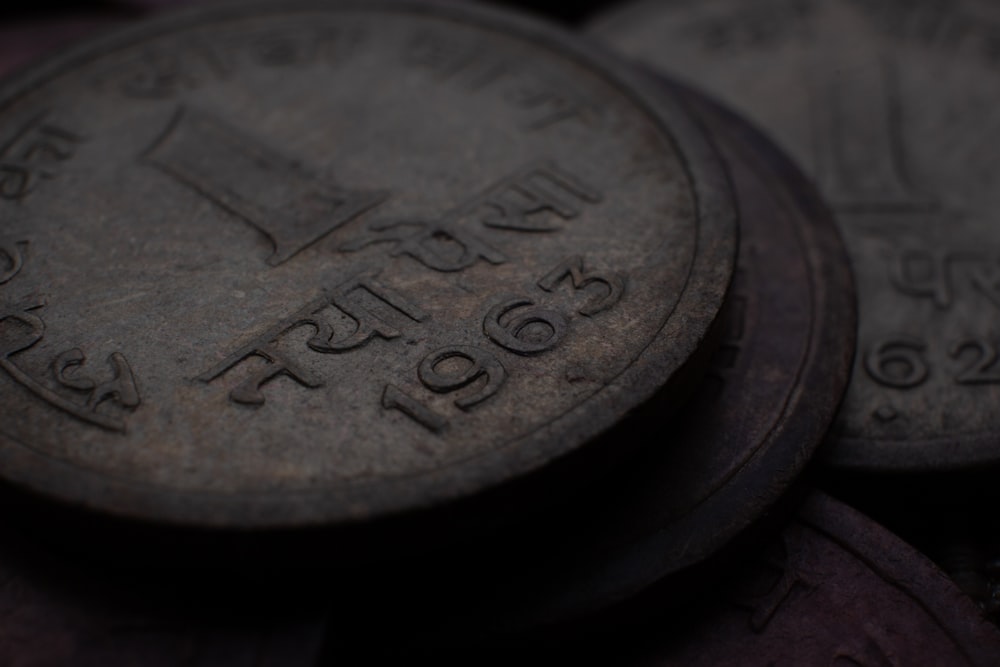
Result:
pixel 567 11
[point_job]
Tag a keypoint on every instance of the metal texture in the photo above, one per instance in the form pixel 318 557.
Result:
pixel 835 589
pixel 889 105
pixel 265 265
pixel 703 479
pixel 55 613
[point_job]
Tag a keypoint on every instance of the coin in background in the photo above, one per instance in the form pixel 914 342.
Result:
pixel 835 588
pixel 889 106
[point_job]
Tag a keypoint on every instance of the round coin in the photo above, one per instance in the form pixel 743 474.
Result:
pixel 743 439
pixel 280 264
pixel 888 105
pixel 835 588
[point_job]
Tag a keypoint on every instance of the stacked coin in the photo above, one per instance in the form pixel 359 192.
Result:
pixel 355 331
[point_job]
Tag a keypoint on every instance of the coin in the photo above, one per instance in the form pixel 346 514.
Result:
pixel 700 481
pixel 888 106
pixel 835 588
pixel 301 263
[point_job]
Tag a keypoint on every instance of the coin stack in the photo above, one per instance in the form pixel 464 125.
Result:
pixel 351 332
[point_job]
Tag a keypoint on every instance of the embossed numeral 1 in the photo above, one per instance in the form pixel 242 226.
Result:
pixel 394 398
pixel 442 377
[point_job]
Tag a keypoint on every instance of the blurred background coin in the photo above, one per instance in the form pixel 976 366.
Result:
pixel 889 106
pixel 834 588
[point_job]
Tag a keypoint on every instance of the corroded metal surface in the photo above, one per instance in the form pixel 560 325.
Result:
pixel 889 105
pixel 265 265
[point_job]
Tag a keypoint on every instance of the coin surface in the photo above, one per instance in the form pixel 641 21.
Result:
pixel 296 263
pixel 702 480
pixel 888 105
pixel 835 588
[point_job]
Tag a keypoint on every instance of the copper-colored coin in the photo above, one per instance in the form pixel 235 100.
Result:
pixel 889 106
pixel 276 264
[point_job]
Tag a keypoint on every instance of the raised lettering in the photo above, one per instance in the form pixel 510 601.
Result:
pixel 530 331
pixel 23 327
pixel 524 201
pixel 788 563
pixel 119 388
pixel 346 298
pixel 30 155
pixel 860 150
pixel 480 364
pixel 897 362
pixel 448 370
pixel 546 100
pixel 942 275
pixel 447 60
pixel 923 274
pixel 14 260
pixel 394 398
pixel 442 245
pixel 572 268
pixel 549 103
pixel 760 26
pixel 515 202
pixel 278 364
pixel 982 369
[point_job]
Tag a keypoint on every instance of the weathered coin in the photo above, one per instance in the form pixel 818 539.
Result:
pixel 297 263
pixel 54 612
pixel 889 105
pixel 702 480
pixel 835 588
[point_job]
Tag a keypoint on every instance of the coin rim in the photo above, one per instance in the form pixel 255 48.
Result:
pixel 822 374
pixel 903 567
